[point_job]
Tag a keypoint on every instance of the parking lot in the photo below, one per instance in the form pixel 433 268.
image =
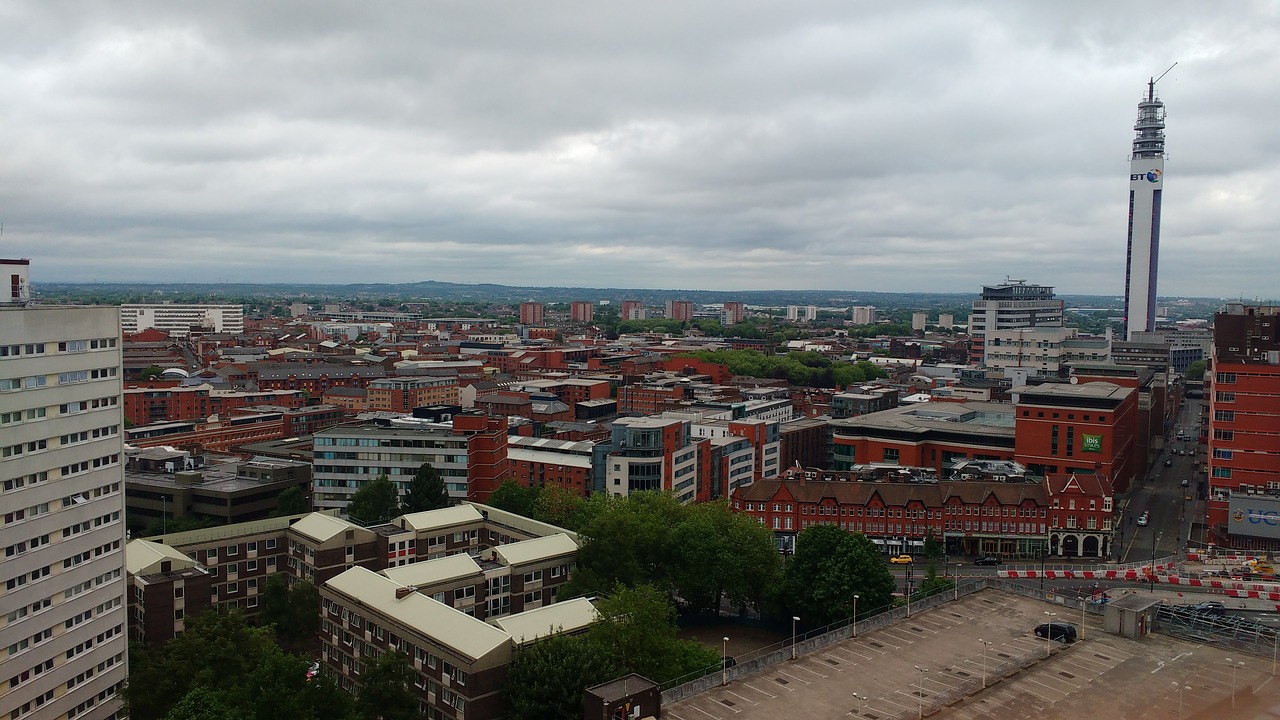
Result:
pixel 934 664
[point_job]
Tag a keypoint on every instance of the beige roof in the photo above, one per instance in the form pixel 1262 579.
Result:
pixel 143 557
pixel 519 522
pixel 430 572
pixel 442 518
pixel 568 616
pixel 321 527
pixel 465 635
pixel 527 551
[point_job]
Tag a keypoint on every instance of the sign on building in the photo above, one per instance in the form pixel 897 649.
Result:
pixel 1255 515
pixel 1091 443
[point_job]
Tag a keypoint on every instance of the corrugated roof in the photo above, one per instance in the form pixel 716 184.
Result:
pixel 143 557
pixel 527 551
pixel 444 517
pixel 469 637
pixel 321 527
pixel 428 572
pixel 568 616
pixel 548 456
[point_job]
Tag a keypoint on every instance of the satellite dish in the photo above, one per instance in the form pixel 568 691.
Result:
pixel 1074 380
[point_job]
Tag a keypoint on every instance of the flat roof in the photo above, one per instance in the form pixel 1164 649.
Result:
pixel 1096 389
pixel 469 637
pixel 987 418
pixel 568 616
pixel 527 551
pixel 430 572
pixel 547 456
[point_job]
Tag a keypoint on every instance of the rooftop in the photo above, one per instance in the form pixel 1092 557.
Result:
pixel 442 518
pixel 542 548
pixel 143 557
pixel 430 572
pixel 568 616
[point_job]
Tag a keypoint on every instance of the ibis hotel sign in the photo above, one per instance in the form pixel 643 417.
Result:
pixel 1256 515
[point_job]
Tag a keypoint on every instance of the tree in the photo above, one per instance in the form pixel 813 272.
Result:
pixel 546 680
pixel 1195 371
pixel 636 629
pixel 720 554
pixel 932 583
pixel 426 491
pixel 932 548
pixel 559 506
pixel 376 502
pixel 830 566
pixel 514 498
pixel 386 689
pixel 150 373
pixel 292 501
pixel 293 611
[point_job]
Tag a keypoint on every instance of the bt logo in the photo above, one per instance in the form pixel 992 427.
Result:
pixel 1150 176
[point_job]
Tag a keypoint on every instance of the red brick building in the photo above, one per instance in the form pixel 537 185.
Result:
pixel 1063 514
pixel 582 311
pixel 532 313
pixel 146 405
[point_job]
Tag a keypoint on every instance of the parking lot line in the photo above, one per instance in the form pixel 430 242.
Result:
pixel 691 706
pixel 801 666
pixel 793 677
pixel 743 699
pixel 762 692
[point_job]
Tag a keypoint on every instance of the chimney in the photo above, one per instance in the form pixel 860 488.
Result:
pixel 403 592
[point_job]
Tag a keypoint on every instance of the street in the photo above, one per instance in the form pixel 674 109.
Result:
pixel 1162 495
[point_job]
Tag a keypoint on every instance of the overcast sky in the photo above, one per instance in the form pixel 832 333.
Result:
pixel 731 145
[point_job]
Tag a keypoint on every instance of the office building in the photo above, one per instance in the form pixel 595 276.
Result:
pixel 1146 186
pixel 1014 304
pixel 180 320
pixel 62 607
pixel 1243 432
pixel 1043 351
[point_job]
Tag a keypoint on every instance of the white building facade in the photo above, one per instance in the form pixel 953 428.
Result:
pixel 177 320
pixel 63 635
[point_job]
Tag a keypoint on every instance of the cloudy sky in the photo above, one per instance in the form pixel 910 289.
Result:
pixel 728 145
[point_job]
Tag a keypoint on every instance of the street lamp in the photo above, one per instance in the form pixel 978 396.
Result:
pixel 1234 666
pixel 794 619
pixel 855 614
pixel 860 699
pixel 1082 618
pixel 1048 633
pixel 957 581
pixel 724 661
pixel 985 645
pixel 1154 539
pixel 1180 687
pixel 920 704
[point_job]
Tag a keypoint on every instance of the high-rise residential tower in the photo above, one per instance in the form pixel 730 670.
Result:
pixel 62 583
pixel 1146 184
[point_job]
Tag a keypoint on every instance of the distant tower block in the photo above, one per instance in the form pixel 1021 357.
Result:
pixel 1146 185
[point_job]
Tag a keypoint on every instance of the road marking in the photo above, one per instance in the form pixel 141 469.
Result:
pixel 799 666
pixel 753 687
pixel 797 679
pixel 704 712
pixel 753 702
pixel 837 668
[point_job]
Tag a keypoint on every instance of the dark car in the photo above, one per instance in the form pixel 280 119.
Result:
pixel 1210 607
pixel 1168 463
pixel 988 560
pixel 1057 630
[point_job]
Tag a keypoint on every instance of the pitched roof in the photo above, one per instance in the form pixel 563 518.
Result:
pixel 442 518
pixel 321 527
pixel 430 572
pixel 895 494
pixel 568 616
pixel 143 557
pixel 469 637
pixel 543 548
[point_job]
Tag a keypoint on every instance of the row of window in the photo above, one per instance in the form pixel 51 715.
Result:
pixel 40 413
pixel 69 346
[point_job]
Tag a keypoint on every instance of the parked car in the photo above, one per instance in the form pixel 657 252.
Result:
pixel 1057 630
pixel 1168 462
pixel 901 560
pixel 988 560
pixel 1144 518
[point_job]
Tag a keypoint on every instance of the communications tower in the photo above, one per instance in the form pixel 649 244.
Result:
pixel 1146 185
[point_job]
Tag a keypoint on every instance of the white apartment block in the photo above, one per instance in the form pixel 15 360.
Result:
pixel 177 320
pixel 63 638
pixel 862 315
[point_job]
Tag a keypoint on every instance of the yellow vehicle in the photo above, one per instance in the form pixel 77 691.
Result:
pixel 1260 567
pixel 901 560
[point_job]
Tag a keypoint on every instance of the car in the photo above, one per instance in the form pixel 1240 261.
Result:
pixel 901 560
pixel 1144 518
pixel 313 671
pixel 1168 462
pixel 1210 607
pixel 1057 630
pixel 988 560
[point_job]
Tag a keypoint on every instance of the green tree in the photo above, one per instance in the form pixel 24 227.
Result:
pixel 376 502
pixel 514 497
pixel 545 680
pixel 386 689
pixel 292 501
pixel 203 704
pixel 933 583
pixel 559 506
pixel 1195 371
pixel 719 554
pixel 932 548
pixel 627 541
pixel 150 373
pixel 830 566
pixel 636 629
pixel 426 491
pixel 294 611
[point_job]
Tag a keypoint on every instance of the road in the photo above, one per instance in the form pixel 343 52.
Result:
pixel 1161 493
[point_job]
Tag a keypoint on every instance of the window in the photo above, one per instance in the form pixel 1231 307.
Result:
pixel 1220 454
pixel 1225 397
pixel 1221 472
pixel 1224 415
pixel 891 455
pixel 1224 435
pixel 1225 377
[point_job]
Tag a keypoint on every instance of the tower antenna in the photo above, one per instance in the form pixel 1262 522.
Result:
pixel 1151 86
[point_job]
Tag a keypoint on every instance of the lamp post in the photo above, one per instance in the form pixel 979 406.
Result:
pixel 1082 618
pixel 1048 633
pixel 1043 552
pixel 1155 538
pixel 985 645
pixel 1180 687
pixel 855 614
pixel 794 619
pixel 859 698
pixel 1234 666
pixel 920 704
pixel 957 581
pixel 724 661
